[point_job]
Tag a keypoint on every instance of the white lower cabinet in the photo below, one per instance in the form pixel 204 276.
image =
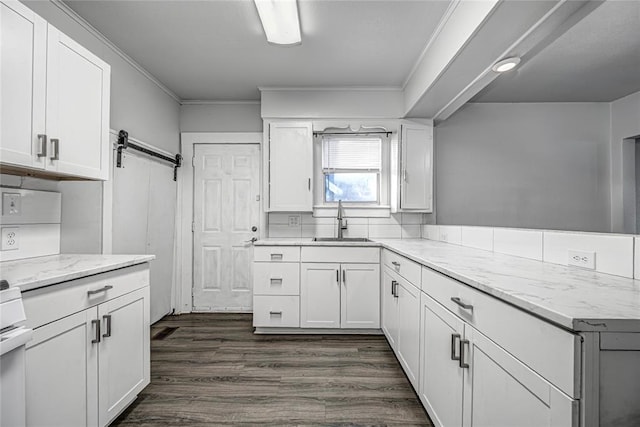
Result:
pixel 468 380
pixel 86 365
pixel 339 295
pixel 401 321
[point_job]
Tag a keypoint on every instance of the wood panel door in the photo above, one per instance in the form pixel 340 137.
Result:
pixel 360 296
pixel 23 54
pixel 319 295
pixel 226 207
pixel 62 372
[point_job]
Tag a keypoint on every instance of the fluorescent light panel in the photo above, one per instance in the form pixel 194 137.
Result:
pixel 280 20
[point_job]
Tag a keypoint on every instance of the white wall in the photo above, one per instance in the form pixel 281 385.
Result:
pixel 625 124
pixel 220 117
pixel 525 165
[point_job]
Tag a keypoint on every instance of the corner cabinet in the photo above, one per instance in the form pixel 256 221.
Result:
pixel 290 166
pixel 54 94
pixel 415 168
pixel 90 353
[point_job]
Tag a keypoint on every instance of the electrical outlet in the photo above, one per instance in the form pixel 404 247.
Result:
pixel 294 220
pixel 11 204
pixel 582 259
pixel 10 238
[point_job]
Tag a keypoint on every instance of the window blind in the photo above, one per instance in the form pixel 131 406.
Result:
pixel 359 153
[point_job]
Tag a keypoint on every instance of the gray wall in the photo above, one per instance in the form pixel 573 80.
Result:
pixel 220 118
pixel 525 165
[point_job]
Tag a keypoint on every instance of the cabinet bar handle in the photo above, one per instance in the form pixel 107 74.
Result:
pixel 276 280
pixel 276 257
pixel 276 312
pixel 337 276
pixel 42 139
pixel 462 362
pixel 309 184
pixel 454 338
pixel 107 334
pixel 397 264
pixel 462 304
pixel 97 291
pixel 344 277
pixel 55 144
pixel 394 288
pixel 96 323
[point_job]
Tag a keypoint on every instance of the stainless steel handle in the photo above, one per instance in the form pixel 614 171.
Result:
pixel 276 312
pixel 42 139
pixel 404 174
pixel 253 239
pixel 463 364
pixel 107 334
pixel 458 301
pixel 97 291
pixel 96 323
pixel 394 288
pixel 396 264
pixel 337 276
pixel 309 184
pixel 55 144
pixel 454 338
pixel 276 280
pixel 276 257
pixel 344 277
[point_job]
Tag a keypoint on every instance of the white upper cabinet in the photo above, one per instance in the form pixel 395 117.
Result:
pixel 416 167
pixel 290 167
pixel 54 93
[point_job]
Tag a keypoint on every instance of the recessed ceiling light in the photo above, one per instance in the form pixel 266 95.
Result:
pixel 280 20
pixel 506 64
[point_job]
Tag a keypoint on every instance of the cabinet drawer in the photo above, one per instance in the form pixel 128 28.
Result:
pixel 276 278
pixel 276 253
pixel 276 311
pixel 340 254
pixel 550 351
pixel 54 302
pixel 408 269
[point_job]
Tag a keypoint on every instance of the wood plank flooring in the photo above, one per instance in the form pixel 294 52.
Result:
pixel 212 370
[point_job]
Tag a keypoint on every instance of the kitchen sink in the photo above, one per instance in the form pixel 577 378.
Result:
pixel 344 239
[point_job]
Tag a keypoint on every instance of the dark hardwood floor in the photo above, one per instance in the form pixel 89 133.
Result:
pixel 212 370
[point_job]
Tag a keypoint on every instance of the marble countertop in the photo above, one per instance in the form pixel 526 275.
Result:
pixel 38 272
pixel 574 298
pixel 308 241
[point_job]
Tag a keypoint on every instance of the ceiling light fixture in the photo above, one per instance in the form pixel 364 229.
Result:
pixel 506 64
pixel 280 20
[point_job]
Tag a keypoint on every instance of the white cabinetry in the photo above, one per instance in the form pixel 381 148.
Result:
pixel 320 295
pixel 415 168
pixel 290 166
pixel 55 100
pixel 90 354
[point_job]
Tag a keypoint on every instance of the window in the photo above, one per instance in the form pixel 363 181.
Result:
pixel 351 168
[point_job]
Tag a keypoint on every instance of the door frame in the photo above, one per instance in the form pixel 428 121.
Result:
pixel 184 239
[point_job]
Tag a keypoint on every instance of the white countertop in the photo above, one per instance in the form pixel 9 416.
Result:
pixel 574 298
pixel 33 273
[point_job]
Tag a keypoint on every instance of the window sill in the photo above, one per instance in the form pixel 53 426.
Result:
pixel 352 211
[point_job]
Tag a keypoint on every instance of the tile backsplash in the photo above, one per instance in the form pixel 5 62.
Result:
pixel 617 254
pixel 303 225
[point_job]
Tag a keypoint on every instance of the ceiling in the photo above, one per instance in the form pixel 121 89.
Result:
pixel 596 60
pixel 216 50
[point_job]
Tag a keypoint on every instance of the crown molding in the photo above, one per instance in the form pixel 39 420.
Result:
pixel 213 102
pixel 94 31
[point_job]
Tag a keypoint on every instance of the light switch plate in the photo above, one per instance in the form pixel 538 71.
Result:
pixel 582 259
pixel 11 204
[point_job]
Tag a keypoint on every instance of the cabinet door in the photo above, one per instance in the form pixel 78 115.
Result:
pixel 124 352
pixel 22 85
pixel 78 87
pixel 389 308
pixel 408 349
pixel 62 372
pixel 319 295
pixel 290 166
pixel 441 377
pixel 416 167
pixel 360 295
pixel 499 390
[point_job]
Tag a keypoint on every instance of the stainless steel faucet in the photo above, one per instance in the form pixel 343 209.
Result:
pixel 340 217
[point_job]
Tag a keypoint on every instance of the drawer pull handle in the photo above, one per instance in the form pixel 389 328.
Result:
pixel 464 305
pixel 276 257
pixel 42 139
pixel 55 146
pixel 337 276
pixel 96 323
pixel 397 264
pixel 344 277
pixel 394 288
pixel 276 312
pixel 276 280
pixel 97 291
pixel 463 364
pixel 454 338
pixel 107 334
